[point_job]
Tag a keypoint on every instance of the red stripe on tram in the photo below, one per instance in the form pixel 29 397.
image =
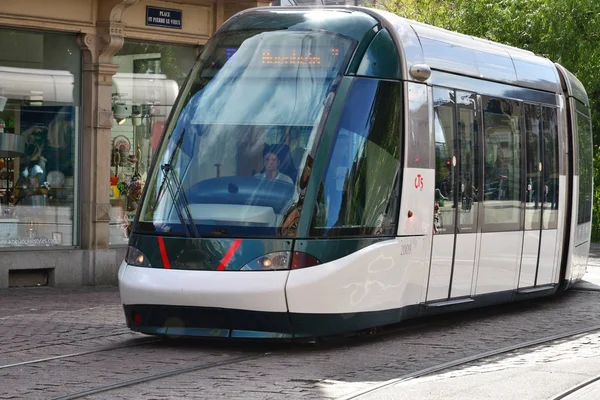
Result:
pixel 163 253
pixel 236 243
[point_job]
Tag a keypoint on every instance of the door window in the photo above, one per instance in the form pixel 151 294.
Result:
pixel 468 189
pixel 445 161
pixel 502 179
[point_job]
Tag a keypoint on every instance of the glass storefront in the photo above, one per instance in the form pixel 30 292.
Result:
pixel 144 89
pixel 40 75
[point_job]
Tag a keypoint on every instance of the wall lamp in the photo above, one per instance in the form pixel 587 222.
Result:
pixel 120 112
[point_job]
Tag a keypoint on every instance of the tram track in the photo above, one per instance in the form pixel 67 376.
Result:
pixel 166 374
pixel 217 353
pixel 81 353
pixel 277 348
pixel 414 326
pixel 214 353
pixel 573 392
pixel 356 395
pixel 466 360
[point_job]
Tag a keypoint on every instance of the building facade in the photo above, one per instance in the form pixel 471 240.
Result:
pixel 85 89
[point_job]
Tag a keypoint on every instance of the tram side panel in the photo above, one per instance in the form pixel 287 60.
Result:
pixel 551 246
pixel 578 142
pixel 418 185
pixel 569 198
pixel 373 286
pixel 581 212
pixel 554 228
pixel 382 282
pixel 585 185
pixel 579 247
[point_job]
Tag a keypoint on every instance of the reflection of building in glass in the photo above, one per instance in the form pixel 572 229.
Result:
pixel 76 111
pixel 142 97
pixel 37 85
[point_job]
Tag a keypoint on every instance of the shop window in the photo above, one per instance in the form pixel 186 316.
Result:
pixel 39 127
pixel 144 90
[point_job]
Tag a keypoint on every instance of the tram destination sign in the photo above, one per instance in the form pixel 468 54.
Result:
pixel 163 17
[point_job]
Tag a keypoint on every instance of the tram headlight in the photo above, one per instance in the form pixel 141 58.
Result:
pixel 136 258
pixel 269 262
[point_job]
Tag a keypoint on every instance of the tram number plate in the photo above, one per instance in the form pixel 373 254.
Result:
pixel 405 249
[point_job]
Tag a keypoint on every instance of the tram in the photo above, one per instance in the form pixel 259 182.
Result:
pixel 329 170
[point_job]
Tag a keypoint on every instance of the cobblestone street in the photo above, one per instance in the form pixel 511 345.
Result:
pixel 40 323
pixel 299 199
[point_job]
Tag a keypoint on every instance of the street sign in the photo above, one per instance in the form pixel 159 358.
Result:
pixel 163 17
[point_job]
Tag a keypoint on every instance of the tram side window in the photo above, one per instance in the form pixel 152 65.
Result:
pixel 502 179
pixel 535 185
pixel 468 162
pixel 550 169
pixel 357 195
pixel 585 168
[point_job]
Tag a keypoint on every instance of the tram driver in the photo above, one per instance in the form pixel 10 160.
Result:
pixel 271 168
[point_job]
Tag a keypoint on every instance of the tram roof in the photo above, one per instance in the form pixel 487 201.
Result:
pixel 454 52
pixel 440 49
pixel 443 50
pixel 448 51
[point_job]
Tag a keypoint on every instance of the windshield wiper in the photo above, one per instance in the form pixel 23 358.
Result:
pixel 188 227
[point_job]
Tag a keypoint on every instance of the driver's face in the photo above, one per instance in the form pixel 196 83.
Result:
pixel 271 162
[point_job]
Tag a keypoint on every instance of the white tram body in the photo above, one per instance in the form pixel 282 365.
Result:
pixel 494 199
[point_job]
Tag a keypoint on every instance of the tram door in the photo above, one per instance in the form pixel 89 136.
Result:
pixel 456 195
pixel 541 195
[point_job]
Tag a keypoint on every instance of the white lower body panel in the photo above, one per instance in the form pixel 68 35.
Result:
pixel 579 260
pixel 548 263
pixel 499 261
pixel 441 267
pixel 384 276
pixel 531 243
pixel 580 236
pixel 464 262
pixel 244 290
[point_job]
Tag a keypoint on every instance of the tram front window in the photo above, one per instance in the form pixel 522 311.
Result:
pixel 250 113
pixel 358 192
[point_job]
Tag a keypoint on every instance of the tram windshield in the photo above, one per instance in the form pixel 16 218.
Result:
pixel 243 128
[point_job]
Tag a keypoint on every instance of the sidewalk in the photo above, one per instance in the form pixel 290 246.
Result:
pixel 595 250
pixel 591 280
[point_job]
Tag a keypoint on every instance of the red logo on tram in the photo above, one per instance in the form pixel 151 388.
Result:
pixel 419 182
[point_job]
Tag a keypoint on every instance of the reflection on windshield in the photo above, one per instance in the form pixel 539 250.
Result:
pixel 242 138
